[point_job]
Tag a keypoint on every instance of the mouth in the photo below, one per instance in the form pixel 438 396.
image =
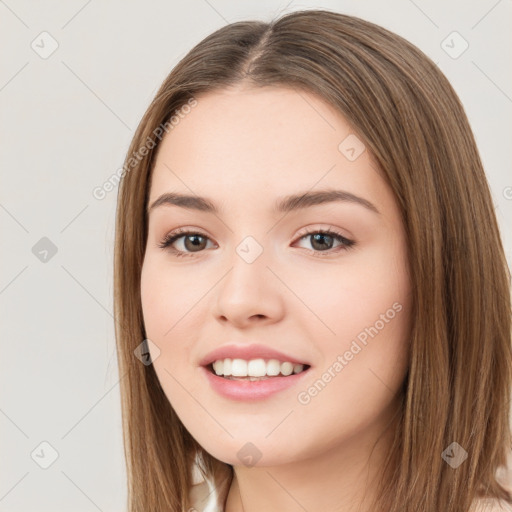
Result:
pixel 266 370
pixel 253 380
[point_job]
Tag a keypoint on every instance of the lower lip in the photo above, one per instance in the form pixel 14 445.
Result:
pixel 243 390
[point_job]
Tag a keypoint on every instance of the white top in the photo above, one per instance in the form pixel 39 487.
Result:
pixel 209 495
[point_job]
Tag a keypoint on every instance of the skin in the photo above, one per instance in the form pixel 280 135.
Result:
pixel 243 148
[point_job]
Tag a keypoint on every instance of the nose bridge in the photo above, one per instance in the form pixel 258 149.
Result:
pixel 249 263
pixel 251 238
pixel 251 249
pixel 249 287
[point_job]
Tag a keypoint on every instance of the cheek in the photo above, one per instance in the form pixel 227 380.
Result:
pixel 154 302
pixel 363 367
pixel 365 305
pixel 351 295
pixel 164 301
pixel 170 307
pixel 165 296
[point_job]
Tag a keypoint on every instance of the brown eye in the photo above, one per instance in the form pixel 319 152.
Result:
pixel 193 242
pixel 189 242
pixel 322 241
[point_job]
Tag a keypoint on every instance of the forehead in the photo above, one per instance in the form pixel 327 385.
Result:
pixel 251 121
pixel 247 145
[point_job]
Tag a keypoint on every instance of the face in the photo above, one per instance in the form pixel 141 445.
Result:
pixel 324 282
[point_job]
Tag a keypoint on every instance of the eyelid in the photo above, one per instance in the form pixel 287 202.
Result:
pixel 320 229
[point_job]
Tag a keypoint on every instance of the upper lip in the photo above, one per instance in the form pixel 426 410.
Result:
pixel 247 352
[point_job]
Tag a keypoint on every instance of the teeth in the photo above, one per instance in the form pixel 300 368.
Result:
pixel 255 368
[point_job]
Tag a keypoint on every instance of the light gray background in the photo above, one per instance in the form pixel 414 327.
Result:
pixel 66 124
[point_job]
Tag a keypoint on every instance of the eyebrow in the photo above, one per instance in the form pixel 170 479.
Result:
pixel 282 205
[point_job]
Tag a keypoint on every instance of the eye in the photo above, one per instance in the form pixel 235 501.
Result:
pixel 194 241
pixel 322 240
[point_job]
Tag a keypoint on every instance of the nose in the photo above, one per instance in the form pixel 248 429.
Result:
pixel 249 292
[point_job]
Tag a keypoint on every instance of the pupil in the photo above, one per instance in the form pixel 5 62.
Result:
pixel 195 242
pixel 320 236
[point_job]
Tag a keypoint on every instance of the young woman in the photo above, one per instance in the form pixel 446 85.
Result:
pixel 312 300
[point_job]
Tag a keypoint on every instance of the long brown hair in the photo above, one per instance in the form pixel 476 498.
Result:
pixel 403 108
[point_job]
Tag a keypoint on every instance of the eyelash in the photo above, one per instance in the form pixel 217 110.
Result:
pixel 179 233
